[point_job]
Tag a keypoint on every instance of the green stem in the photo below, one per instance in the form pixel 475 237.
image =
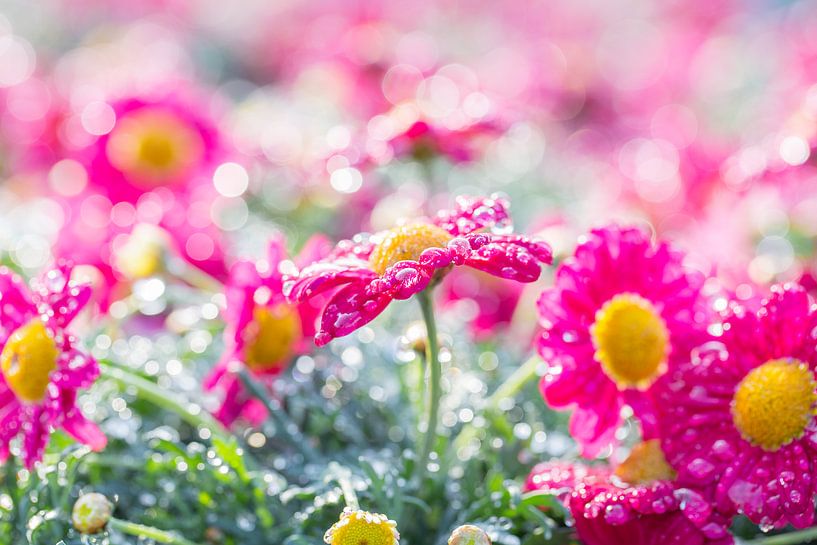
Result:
pixel 149 391
pixel 801 536
pixel 435 381
pixel 10 480
pixel 508 389
pixel 148 532
pixel 283 424
pixel 342 475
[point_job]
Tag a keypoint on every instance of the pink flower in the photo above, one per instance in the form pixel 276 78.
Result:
pixel 42 368
pixel 424 140
pixel 263 331
pixel 488 302
pixel 739 419
pixel 154 167
pixel 636 503
pixel 623 312
pixel 369 272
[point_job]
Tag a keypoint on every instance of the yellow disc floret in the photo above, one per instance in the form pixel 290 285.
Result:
pixel 774 403
pixel 405 243
pixel 645 464
pixel 357 527
pixel 631 341
pixel 154 146
pixel 271 336
pixel 27 360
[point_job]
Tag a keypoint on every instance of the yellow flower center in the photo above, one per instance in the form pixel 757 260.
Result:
pixel 362 528
pixel 153 146
pixel 271 336
pixel 645 464
pixel 631 341
pixel 406 243
pixel 774 403
pixel 29 356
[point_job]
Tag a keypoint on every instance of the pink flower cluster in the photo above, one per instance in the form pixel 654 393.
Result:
pixel 724 391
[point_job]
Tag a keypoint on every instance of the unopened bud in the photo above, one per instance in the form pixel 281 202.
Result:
pixel 91 513
pixel 469 535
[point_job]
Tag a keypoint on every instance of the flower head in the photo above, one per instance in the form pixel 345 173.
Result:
pixel 42 368
pixel 623 313
pixel 264 331
pixel 739 419
pixel 357 527
pixel 147 187
pixel 369 272
pixel 636 502
pixel 91 513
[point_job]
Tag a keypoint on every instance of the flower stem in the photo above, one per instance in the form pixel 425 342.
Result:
pixel 801 536
pixel 508 389
pixel 148 532
pixel 147 390
pixel 10 482
pixel 435 380
pixel 341 475
pixel 283 424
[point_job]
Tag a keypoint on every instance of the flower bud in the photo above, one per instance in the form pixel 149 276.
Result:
pixel 91 513
pixel 143 252
pixel 469 535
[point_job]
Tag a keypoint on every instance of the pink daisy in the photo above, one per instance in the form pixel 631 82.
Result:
pixel 264 331
pixel 153 167
pixel 622 312
pixel 42 368
pixel 637 503
pixel 739 419
pixel 369 272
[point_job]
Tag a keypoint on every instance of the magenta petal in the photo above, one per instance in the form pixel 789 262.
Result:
pixel 35 438
pixel 17 307
pixel 316 248
pixel 594 429
pixel 320 277
pixel 83 430
pixel 349 309
pixel 505 261
pixel 75 370
pixel 404 279
pixel 234 400
pixel 473 214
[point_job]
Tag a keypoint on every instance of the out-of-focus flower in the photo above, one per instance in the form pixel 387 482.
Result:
pixel 150 166
pixel 740 417
pixel 357 527
pixel 469 534
pixel 42 368
pixel 623 312
pixel 637 502
pixel 488 302
pixel 91 513
pixel 423 140
pixel 370 272
pixel 264 331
